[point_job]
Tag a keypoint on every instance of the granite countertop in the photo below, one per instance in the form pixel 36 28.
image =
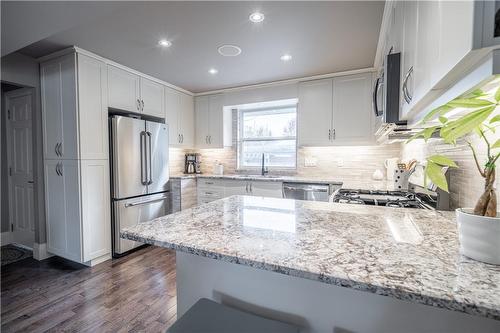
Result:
pixel 370 184
pixel 408 254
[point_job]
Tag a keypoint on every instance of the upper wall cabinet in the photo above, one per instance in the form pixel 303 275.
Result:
pixel 315 113
pixel 131 92
pixel 74 105
pixel 123 89
pixel 211 121
pixel 179 115
pixel 335 111
pixel 440 43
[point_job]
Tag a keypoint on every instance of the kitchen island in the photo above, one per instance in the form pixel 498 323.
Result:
pixel 329 267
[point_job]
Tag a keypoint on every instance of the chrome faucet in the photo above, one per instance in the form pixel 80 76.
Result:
pixel 264 168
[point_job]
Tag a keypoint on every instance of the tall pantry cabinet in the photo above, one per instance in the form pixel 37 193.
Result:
pixel 76 165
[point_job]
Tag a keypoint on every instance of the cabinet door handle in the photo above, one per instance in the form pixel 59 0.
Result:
pixel 56 149
pixel 142 102
pixel 206 139
pixel 406 93
pixel 210 139
pixel 182 138
pixel 60 149
pixel 251 187
pixel 178 138
pixel 57 169
pixel 329 135
pixel 138 104
pixel 61 168
pixel 246 188
pixel 333 134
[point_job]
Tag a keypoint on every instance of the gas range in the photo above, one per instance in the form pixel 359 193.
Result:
pixel 400 199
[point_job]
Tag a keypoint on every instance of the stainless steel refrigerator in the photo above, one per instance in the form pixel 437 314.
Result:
pixel 139 169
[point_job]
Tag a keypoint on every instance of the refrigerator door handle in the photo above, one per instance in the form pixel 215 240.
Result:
pixel 150 166
pixel 143 159
pixel 138 203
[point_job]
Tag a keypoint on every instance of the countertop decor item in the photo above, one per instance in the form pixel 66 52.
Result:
pixel 479 227
pixel 378 175
pixel 391 164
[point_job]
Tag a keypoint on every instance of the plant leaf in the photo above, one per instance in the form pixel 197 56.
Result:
pixel 495 119
pixel 442 160
pixel 476 93
pixel 439 111
pixel 469 103
pixel 496 144
pixel 436 175
pixel 497 95
pixel 443 119
pixel 466 124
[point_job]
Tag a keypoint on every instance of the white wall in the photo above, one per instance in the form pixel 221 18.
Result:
pixel 261 94
pixel 24 71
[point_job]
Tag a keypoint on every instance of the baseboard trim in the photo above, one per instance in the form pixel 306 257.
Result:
pixel 6 238
pixel 40 251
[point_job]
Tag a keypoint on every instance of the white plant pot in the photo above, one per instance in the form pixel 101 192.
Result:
pixel 479 236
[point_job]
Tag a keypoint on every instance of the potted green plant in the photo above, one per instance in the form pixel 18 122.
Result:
pixel 478 227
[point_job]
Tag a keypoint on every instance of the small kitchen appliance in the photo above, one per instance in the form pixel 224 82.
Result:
pixel 192 163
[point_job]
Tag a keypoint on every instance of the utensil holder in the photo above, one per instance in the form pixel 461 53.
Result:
pixel 401 177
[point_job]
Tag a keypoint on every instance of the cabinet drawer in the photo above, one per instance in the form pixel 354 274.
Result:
pixel 215 184
pixel 210 193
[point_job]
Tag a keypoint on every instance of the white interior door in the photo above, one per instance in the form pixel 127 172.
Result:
pixel 20 158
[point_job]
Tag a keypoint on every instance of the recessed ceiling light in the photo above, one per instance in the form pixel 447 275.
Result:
pixel 256 17
pixel 286 57
pixel 164 43
pixel 213 71
pixel 229 50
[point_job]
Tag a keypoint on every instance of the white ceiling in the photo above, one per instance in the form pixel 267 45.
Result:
pixel 322 37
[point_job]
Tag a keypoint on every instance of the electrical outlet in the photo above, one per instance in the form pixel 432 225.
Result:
pixel 340 163
pixel 310 161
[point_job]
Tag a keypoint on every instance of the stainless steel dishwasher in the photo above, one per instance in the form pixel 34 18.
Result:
pixel 309 191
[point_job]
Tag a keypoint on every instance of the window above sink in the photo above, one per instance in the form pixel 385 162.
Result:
pixel 271 129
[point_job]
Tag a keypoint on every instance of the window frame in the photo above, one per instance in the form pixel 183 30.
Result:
pixel 241 139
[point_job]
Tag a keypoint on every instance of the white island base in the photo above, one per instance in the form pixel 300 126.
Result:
pixel 313 306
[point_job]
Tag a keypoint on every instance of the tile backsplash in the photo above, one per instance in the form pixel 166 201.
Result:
pixel 347 162
pixel 359 163
pixel 465 185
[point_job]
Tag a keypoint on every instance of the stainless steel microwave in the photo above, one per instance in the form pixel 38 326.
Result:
pixel 386 91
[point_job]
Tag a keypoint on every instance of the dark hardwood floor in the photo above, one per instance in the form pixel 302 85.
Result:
pixel 136 293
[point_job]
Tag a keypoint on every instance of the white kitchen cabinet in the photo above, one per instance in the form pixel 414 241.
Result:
pixel 59 116
pixel 186 123
pixel 74 108
pixel 236 187
pixel 210 189
pixel 441 43
pixel 124 89
pixel 352 119
pixel 92 108
pixel 131 92
pixel 314 113
pixel 152 98
pixel 77 212
pixel 179 110
pixel 408 54
pixel 210 121
pixel 75 130
pixel 62 197
pixel 270 189
pixel 95 208
pixel 336 111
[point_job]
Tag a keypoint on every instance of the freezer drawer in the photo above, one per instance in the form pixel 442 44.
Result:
pixel 129 212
